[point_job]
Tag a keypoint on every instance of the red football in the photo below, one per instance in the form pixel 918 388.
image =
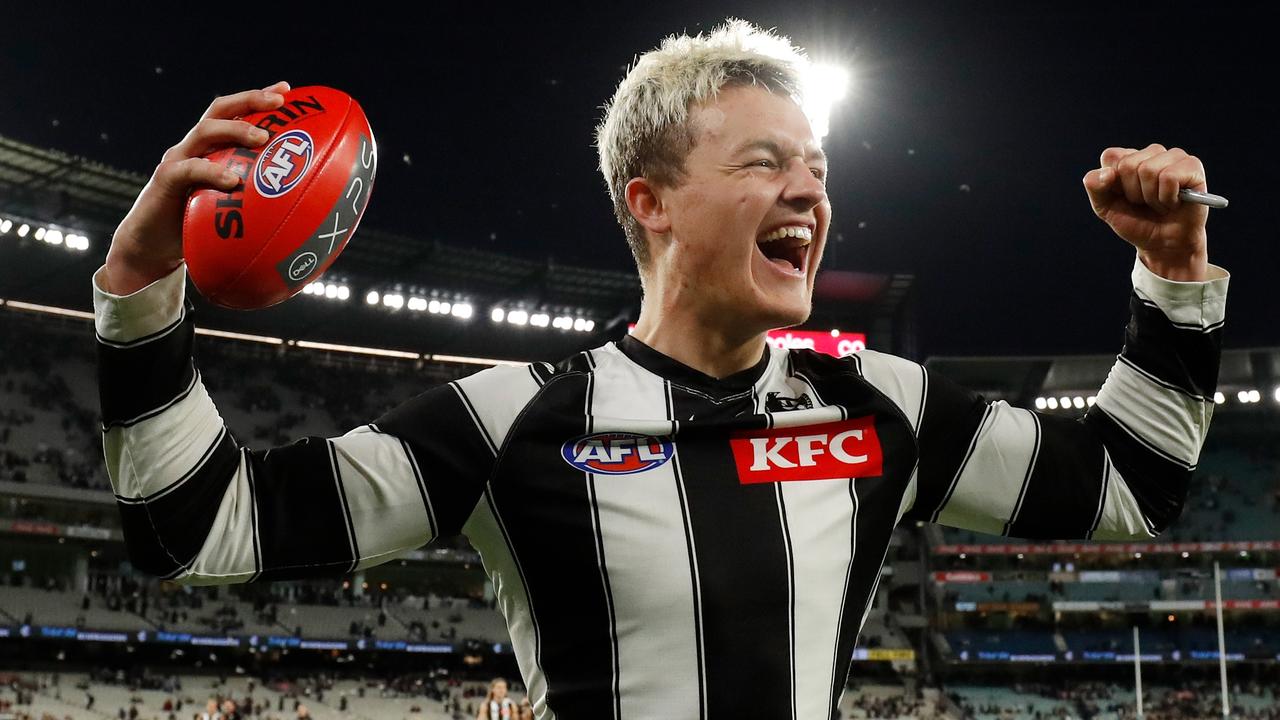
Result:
pixel 303 194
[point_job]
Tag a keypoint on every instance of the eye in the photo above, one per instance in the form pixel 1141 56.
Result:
pixel 762 163
pixel 820 173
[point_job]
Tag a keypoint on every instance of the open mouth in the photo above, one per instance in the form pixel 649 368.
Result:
pixel 787 247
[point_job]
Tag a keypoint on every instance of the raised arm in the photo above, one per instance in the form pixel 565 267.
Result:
pixel 1123 470
pixel 195 505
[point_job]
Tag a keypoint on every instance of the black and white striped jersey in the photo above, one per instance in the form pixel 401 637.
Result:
pixel 662 544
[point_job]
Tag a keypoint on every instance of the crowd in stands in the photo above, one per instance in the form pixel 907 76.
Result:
pixel 49 416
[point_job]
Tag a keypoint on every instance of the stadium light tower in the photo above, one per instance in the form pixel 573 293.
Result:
pixel 825 84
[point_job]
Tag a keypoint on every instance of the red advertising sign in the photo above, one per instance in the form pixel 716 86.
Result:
pixel 961 576
pixel 829 342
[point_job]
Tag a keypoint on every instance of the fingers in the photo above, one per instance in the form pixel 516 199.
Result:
pixel 249 101
pixel 210 133
pixel 1150 177
pixel 180 176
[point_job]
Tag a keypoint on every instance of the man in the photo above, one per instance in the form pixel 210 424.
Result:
pixel 661 541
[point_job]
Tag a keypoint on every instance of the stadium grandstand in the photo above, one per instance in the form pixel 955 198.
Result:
pixel 963 625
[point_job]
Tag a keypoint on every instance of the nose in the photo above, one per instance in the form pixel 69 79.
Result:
pixel 803 191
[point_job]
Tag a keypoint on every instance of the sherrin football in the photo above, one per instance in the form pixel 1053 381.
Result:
pixel 302 196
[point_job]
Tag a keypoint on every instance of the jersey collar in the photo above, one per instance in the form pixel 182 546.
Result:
pixel 680 374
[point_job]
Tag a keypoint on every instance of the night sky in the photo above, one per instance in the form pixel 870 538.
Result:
pixel 958 156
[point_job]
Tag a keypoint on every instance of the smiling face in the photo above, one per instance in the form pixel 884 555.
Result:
pixel 748 223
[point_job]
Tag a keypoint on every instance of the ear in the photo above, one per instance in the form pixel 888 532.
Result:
pixel 644 200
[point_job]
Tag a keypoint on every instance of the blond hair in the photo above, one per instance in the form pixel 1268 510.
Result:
pixel 646 130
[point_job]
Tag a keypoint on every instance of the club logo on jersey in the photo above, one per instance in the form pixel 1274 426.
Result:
pixel 830 451
pixel 283 163
pixel 617 453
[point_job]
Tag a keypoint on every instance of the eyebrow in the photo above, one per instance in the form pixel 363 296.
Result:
pixel 813 153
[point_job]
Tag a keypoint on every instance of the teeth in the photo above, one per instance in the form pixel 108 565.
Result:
pixel 795 231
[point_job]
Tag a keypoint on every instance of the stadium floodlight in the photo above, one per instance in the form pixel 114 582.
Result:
pixel 497 314
pixel 540 320
pixel 53 237
pixel 22 231
pixel 445 308
pixel 835 333
pixel 1276 394
pixel 5 225
pixel 823 85
pixel 1219 398
pixel 1243 396
pixel 1065 402
pixel 331 291
pixel 1041 404
pixel 433 306
pixel 589 325
pixel 1255 396
pixel 1077 402
pixel 344 292
pixel 417 304
pixel 462 311
pixel 372 298
pixel 1052 403
pixel 40 231
pixel 518 317
pixel 395 301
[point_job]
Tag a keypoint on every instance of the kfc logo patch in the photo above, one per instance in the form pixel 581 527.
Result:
pixel 835 450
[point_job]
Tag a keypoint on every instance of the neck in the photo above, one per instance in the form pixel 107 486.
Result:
pixel 705 344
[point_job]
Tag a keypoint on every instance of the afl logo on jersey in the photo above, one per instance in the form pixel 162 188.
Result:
pixel 283 164
pixel 617 453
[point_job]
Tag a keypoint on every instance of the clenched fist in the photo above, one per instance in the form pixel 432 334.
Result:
pixel 1136 193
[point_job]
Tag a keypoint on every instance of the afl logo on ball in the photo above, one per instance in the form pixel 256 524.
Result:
pixel 282 165
pixel 617 453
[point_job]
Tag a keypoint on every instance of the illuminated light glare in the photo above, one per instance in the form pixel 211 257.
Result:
pixel 580 325
pixel 1065 402
pixel 1138 555
pixel 40 231
pixel 1041 404
pixel 358 350
pixel 1255 396
pixel 22 231
pixel 1243 396
pixel 461 310
pixel 344 292
pixel 331 291
pixel 822 86
pixel 589 325
pixel 1276 394
pixel 5 225
pixel 53 237
pixel 372 298
pixel 394 301
pixel 1185 554
pixel 497 314
pixel 540 320
pixel 1219 398
pixel 417 303
pixel 835 333
pixel 1052 403
pixel 1077 402
pixel 518 317
pixel 445 308
pixel 433 306
pixel 1091 400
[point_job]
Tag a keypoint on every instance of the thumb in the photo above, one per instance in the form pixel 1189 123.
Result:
pixel 1098 184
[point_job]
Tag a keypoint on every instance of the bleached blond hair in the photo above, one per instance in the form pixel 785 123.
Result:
pixel 647 131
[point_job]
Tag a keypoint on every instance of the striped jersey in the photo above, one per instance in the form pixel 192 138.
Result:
pixel 663 544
